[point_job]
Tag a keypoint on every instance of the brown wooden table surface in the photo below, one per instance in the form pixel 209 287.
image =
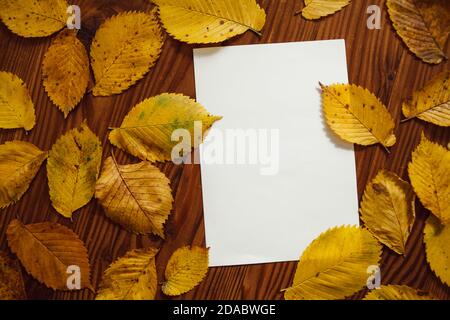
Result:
pixel 377 59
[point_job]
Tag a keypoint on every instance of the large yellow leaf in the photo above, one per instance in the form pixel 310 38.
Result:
pixel 11 282
pixel 315 9
pixel 397 292
pixel 437 248
pixel 16 107
pixel 46 250
pixel 423 26
pixel 137 196
pixel 147 129
pixel 387 209
pixel 132 277
pixel 432 102
pixel 430 178
pixel 34 18
pixel 19 163
pixel 66 71
pixel 357 116
pixel 73 166
pixel 210 21
pixel 187 267
pixel 124 48
pixel 334 265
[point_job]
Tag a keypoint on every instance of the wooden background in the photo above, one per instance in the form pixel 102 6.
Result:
pixel 377 60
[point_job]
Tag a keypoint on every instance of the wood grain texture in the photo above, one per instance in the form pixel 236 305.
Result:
pixel 377 60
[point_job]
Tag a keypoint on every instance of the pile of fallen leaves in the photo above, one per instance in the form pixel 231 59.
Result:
pixel 139 197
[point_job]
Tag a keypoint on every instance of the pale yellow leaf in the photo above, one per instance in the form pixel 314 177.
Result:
pixel 210 21
pixel 437 248
pixel 11 282
pixel 186 268
pixel 316 9
pixel 19 163
pixel 334 265
pixel 387 209
pixel 73 166
pixel 16 107
pixel 397 292
pixel 136 196
pixel 131 277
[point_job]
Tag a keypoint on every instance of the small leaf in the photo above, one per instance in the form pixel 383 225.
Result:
pixel 316 9
pixel 33 18
pixel 334 265
pixel 136 196
pixel 437 239
pixel 19 164
pixel 132 277
pixel 423 26
pixel 396 292
pixel 357 116
pixel 387 210
pixel 66 79
pixel 432 102
pixel 429 175
pixel 124 48
pixel 73 166
pixel 146 132
pixel 46 250
pixel 210 21
pixel 11 282
pixel 16 107
pixel 187 267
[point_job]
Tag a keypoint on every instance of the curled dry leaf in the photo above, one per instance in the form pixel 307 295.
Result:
pixel 387 210
pixel 187 267
pixel 46 250
pixel 73 166
pixel 66 71
pixel 16 107
pixel 432 102
pixel 430 178
pixel 146 132
pixel 437 239
pixel 131 277
pixel 210 21
pixel 357 116
pixel 316 9
pixel 334 265
pixel 396 292
pixel 424 26
pixel 124 48
pixel 11 282
pixel 34 18
pixel 136 196
pixel 19 163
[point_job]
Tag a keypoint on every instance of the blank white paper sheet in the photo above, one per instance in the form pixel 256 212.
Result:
pixel 273 176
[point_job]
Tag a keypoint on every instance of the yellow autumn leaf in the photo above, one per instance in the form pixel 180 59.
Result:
pixel 334 265
pixel 422 25
pixel 432 102
pixel 437 249
pixel 11 282
pixel 16 107
pixel 316 9
pixel 187 267
pixel 210 21
pixel 73 166
pixel 136 196
pixel 357 116
pixel 19 163
pixel 430 178
pixel 34 18
pixel 387 209
pixel 65 71
pixel 146 132
pixel 397 292
pixel 46 250
pixel 124 48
